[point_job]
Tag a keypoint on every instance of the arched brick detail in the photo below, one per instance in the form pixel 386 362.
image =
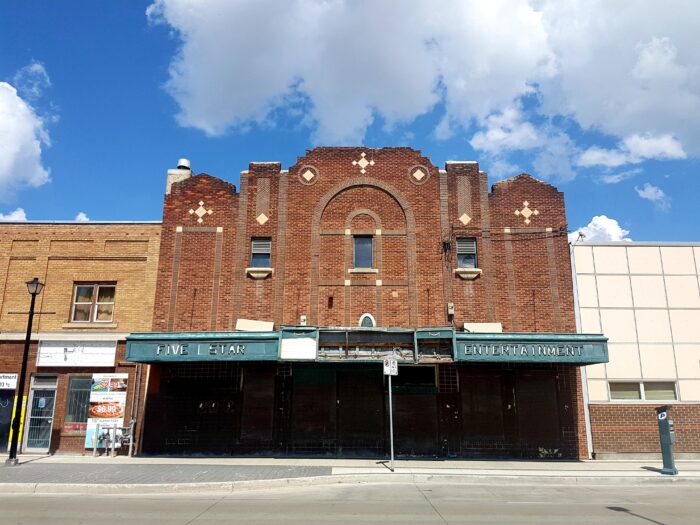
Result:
pixel 363 211
pixel 395 194
pixel 348 257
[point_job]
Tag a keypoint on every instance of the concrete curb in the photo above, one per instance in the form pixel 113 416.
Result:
pixel 349 479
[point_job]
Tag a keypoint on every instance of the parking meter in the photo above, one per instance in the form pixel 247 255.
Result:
pixel 667 437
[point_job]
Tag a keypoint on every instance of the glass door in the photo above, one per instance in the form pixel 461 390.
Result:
pixel 42 397
pixel 7 398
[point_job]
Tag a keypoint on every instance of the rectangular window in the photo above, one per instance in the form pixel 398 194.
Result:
pixel 364 257
pixel 77 404
pixel 260 252
pixel 660 390
pixel 625 391
pixel 93 303
pixel 645 391
pixel 466 252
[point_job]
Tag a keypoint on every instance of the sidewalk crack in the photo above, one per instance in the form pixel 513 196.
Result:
pixel 431 504
pixel 206 510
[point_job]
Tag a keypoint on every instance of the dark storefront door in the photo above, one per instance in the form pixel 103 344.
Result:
pixel 509 413
pixel 485 406
pixel 313 410
pixel 538 413
pixel 416 412
pixel 258 410
pixel 196 411
pixel 361 417
pixel 6 400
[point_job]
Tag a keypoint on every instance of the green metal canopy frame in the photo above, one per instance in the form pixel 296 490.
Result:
pixel 174 347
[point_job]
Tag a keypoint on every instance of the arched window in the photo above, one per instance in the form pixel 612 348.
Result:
pixel 367 321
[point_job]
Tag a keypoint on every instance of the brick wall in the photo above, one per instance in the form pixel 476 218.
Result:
pixel 61 254
pixel 620 428
pixel 311 213
pixel 195 274
pixel 67 442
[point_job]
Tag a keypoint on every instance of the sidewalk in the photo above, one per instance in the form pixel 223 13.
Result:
pixel 80 474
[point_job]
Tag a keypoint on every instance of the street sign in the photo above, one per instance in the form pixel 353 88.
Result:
pixel 391 367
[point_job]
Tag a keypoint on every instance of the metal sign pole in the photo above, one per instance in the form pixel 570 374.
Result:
pixel 391 427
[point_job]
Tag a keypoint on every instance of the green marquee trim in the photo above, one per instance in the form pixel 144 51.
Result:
pixel 575 349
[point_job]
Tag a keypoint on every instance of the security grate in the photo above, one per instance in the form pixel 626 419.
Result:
pixel 284 370
pixel 448 379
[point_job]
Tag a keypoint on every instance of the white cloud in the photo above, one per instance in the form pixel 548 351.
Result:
pixel 600 229
pixel 352 60
pixel 595 156
pixel 506 131
pixel 82 217
pixel 633 150
pixel 501 169
pixel 17 215
pixel 552 150
pixel 624 70
pixel 554 160
pixel 654 147
pixel 656 195
pixel 22 136
pixel 32 80
pixel 615 178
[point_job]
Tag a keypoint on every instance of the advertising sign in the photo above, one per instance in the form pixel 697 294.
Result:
pixel 207 346
pixel 8 381
pixel 107 406
pixel 76 353
pixel 577 349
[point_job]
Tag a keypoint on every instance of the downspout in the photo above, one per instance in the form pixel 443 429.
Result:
pixel 584 376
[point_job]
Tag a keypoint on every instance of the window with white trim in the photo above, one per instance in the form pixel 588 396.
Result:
pixel 466 252
pixel 367 321
pixel 93 302
pixel 261 252
pixel 643 391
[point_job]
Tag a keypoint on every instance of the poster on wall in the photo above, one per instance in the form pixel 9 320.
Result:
pixel 8 381
pixel 107 406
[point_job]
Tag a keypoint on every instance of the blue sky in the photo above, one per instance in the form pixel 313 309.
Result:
pixel 99 99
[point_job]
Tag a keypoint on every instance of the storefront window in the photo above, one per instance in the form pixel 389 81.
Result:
pixel 77 404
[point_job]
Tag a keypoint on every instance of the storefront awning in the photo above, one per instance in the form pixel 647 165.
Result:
pixel 409 346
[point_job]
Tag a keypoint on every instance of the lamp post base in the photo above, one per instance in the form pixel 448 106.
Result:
pixel 12 462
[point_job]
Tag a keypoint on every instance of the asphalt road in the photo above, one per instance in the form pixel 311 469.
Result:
pixel 426 503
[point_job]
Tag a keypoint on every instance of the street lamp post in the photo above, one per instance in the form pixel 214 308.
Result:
pixel 34 287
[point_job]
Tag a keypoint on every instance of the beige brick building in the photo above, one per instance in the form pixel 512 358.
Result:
pixel 99 286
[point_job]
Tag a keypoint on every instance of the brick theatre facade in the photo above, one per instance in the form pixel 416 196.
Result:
pixel 276 303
